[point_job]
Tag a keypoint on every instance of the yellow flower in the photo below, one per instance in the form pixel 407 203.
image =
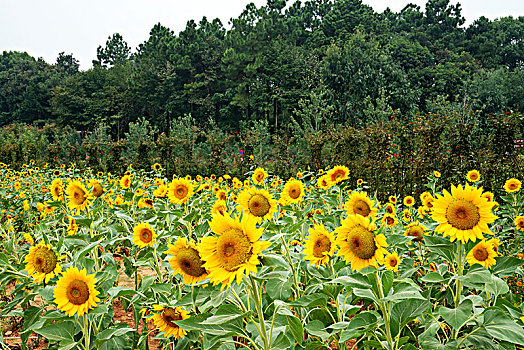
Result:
pixel 29 239
pixel 97 189
pixel 406 215
pixel 259 175
pixel 358 243
pixel 436 174
pixel 144 235
pixel 25 205
pixel 324 182
pixel 161 191
pixel 234 250
pixel 125 182
pixel 164 321
pixel 319 245
pixel 360 182
pixel 72 228
pixel 359 203
pixel 293 192
pixel 57 190
pixel 393 199
pixel 179 191
pixel 219 207
pixel 75 292
pixel 157 167
pixel 257 203
pixel 186 261
pixel 415 230
pixel 512 185
pixel 473 176
pixel 519 223
pixel 409 201
pixel 338 174
pixel 78 198
pixel 482 254
pixel 464 214
pixel 392 261
pixel 389 220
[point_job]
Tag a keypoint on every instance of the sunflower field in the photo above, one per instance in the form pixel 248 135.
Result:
pixel 93 261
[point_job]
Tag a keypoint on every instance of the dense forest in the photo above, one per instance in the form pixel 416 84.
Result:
pixel 354 65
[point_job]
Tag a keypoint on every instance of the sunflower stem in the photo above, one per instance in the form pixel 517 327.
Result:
pixel 385 310
pixel 460 272
pixel 157 265
pixel 290 262
pixel 257 297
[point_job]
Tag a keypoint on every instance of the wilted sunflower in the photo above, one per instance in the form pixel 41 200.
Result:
pixel 186 261
pixel 519 223
pixel 144 235
pixel 125 182
pixel 78 198
pixel 319 245
pixel 42 263
pixel 338 174
pixel 415 230
pixel 293 192
pixel 259 175
pixel 257 203
pixel 75 292
pixel 97 190
pixel 482 254
pixel 359 203
pixel 464 214
pixel 219 207
pixel 234 250
pixel 392 261
pixel 409 201
pixel 57 190
pixel 473 175
pixel 512 185
pixel 358 243
pixel 179 191
pixel 164 320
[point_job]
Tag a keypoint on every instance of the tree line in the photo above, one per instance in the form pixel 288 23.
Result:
pixel 286 63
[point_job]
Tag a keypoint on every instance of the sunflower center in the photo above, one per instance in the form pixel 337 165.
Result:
pixel 189 261
pixel 79 196
pixel 77 292
pixel 361 242
pixel 181 191
pixel 146 235
pixel 362 208
pixel 390 221
pixel 233 249
pixel 481 254
pixel 258 205
pixel 417 232
pixel 389 209
pixel 45 261
pixel 97 190
pixel 322 245
pixel 294 193
pixel 463 214
pixel 169 315
pixel 520 223
pixel 512 186
pixel 393 262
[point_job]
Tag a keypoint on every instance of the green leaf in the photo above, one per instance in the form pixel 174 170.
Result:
pixel 317 329
pixel 113 332
pixel 497 286
pixel 86 250
pixel 476 277
pixel 501 327
pixel 296 328
pixel 440 246
pixel 117 292
pixel 58 331
pixel 403 313
pixel 432 277
pixel 353 281
pixel 316 345
pixel 506 266
pixel 311 300
pixel 457 317
pixel 387 281
pixel 403 291
pixel 279 287
pixel 360 325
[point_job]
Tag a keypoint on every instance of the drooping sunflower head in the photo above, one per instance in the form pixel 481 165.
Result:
pixel 78 198
pixel 186 261
pixel 258 203
pixel 97 189
pixel 519 223
pixel 75 292
pixel 293 192
pixel 358 203
pixel 57 189
pixel 125 182
pixel 512 185
pixel 144 235
pixel 338 174
pixel 234 250
pixel 415 230
pixel 464 214
pixel 409 201
pixel 180 190
pixel 165 321
pixel 319 245
pixel 42 263
pixel 259 175
pixel 482 254
pixel 358 243
pixel 473 176
pixel 392 261
pixel 219 207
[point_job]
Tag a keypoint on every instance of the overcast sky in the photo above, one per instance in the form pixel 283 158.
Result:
pixel 44 28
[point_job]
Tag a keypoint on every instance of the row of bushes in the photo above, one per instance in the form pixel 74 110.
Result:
pixel 392 156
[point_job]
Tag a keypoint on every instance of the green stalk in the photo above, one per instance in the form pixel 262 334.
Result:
pixel 460 272
pixel 258 305
pixel 385 311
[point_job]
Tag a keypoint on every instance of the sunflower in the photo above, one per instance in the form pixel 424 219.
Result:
pixel 219 207
pixel 57 190
pixel 259 175
pixel 144 235
pixel 234 250
pixel 42 263
pixel 409 201
pixel 221 194
pixel 97 189
pixel 258 203
pixel 359 203
pixel 125 182
pixel 473 175
pixel 423 211
pixel 324 183
pixel 293 192
pixel 393 199
pixel 157 167
pixel 358 244
pixel 319 245
pixel 389 220
pixel 186 261
pixel 464 214
pixel 180 190
pixel 78 198
pixel 482 254
pixel 75 292
pixel 495 243
pixel 489 195
pixel 392 261
pixel 428 201
pixel 390 209
pixel 512 185
pixel 161 191
pixel 72 228
pixel 406 215
pixel 436 174
pixel 360 182
pixel 56 172
pixel 145 203
pixel 338 174
pixel 415 230
pixel 164 320
pixel 29 239
pixel 519 223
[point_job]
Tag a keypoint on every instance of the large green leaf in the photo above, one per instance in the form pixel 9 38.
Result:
pixel 317 329
pixel 58 331
pixel 457 317
pixel 497 286
pixel 296 328
pixel 500 326
pixel 360 325
pixel 506 266
pixel 403 313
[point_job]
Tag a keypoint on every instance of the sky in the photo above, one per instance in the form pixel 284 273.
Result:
pixel 44 28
